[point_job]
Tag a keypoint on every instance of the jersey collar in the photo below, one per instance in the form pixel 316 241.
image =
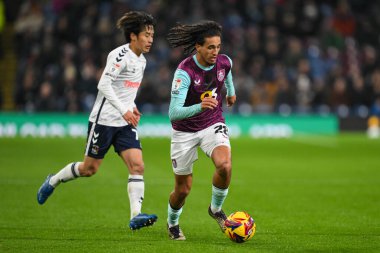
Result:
pixel 200 66
pixel 133 53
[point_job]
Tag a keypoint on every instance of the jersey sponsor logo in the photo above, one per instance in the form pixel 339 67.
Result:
pixel 197 82
pixel 221 73
pixel 209 93
pixel 130 84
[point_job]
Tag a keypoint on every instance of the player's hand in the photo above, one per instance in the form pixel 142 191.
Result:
pixel 130 118
pixel 137 114
pixel 209 103
pixel 231 100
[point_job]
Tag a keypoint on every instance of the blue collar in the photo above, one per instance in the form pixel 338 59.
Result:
pixel 202 67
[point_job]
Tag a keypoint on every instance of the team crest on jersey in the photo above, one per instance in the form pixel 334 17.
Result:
pixel 221 74
pixel 95 149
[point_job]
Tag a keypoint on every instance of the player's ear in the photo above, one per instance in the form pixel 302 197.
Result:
pixel 197 47
pixel 133 37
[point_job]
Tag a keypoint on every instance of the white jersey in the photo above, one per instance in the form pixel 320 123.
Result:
pixel 118 87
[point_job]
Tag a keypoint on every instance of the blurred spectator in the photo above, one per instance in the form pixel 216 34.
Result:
pixel 310 15
pixel 45 100
pixel 375 108
pixel 25 95
pixel 359 93
pixel 369 60
pixel 285 98
pixel 320 97
pixel 375 87
pixel 303 86
pixel 344 21
pixel 329 36
pixel 293 53
pixel 339 98
pixel 2 24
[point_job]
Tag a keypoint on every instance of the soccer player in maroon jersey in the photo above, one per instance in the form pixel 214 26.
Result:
pixel 196 117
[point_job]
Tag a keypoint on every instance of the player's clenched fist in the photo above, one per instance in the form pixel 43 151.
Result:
pixel 209 103
pixel 230 100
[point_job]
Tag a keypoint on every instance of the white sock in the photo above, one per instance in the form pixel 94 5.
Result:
pixel 69 172
pixel 135 193
pixel 173 216
pixel 218 197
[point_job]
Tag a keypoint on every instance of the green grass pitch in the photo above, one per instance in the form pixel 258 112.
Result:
pixel 306 194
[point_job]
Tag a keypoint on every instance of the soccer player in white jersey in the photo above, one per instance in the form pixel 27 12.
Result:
pixel 196 115
pixel 114 117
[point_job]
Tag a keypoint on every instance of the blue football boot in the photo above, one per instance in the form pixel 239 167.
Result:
pixel 45 190
pixel 142 220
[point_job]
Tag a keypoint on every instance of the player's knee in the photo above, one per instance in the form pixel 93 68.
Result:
pixel 224 169
pixel 182 194
pixel 137 169
pixel 89 170
pixel 183 191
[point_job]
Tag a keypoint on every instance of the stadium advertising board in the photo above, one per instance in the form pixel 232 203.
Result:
pixel 256 126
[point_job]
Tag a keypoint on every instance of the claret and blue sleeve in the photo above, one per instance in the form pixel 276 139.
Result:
pixel 229 83
pixel 180 86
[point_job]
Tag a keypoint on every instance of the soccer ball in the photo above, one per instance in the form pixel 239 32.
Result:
pixel 240 227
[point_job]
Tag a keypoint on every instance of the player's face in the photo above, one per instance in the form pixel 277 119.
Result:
pixel 143 41
pixel 207 53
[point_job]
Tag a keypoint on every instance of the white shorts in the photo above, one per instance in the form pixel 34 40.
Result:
pixel 184 146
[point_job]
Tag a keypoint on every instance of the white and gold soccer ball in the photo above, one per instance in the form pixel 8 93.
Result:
pixel 240 227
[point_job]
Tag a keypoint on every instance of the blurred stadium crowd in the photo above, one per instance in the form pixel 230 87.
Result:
pixel 290 56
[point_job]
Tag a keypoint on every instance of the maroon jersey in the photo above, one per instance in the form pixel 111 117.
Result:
pixel 204 83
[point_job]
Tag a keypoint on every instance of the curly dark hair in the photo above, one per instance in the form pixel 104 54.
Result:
pixel 135 22
pixel 188 36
